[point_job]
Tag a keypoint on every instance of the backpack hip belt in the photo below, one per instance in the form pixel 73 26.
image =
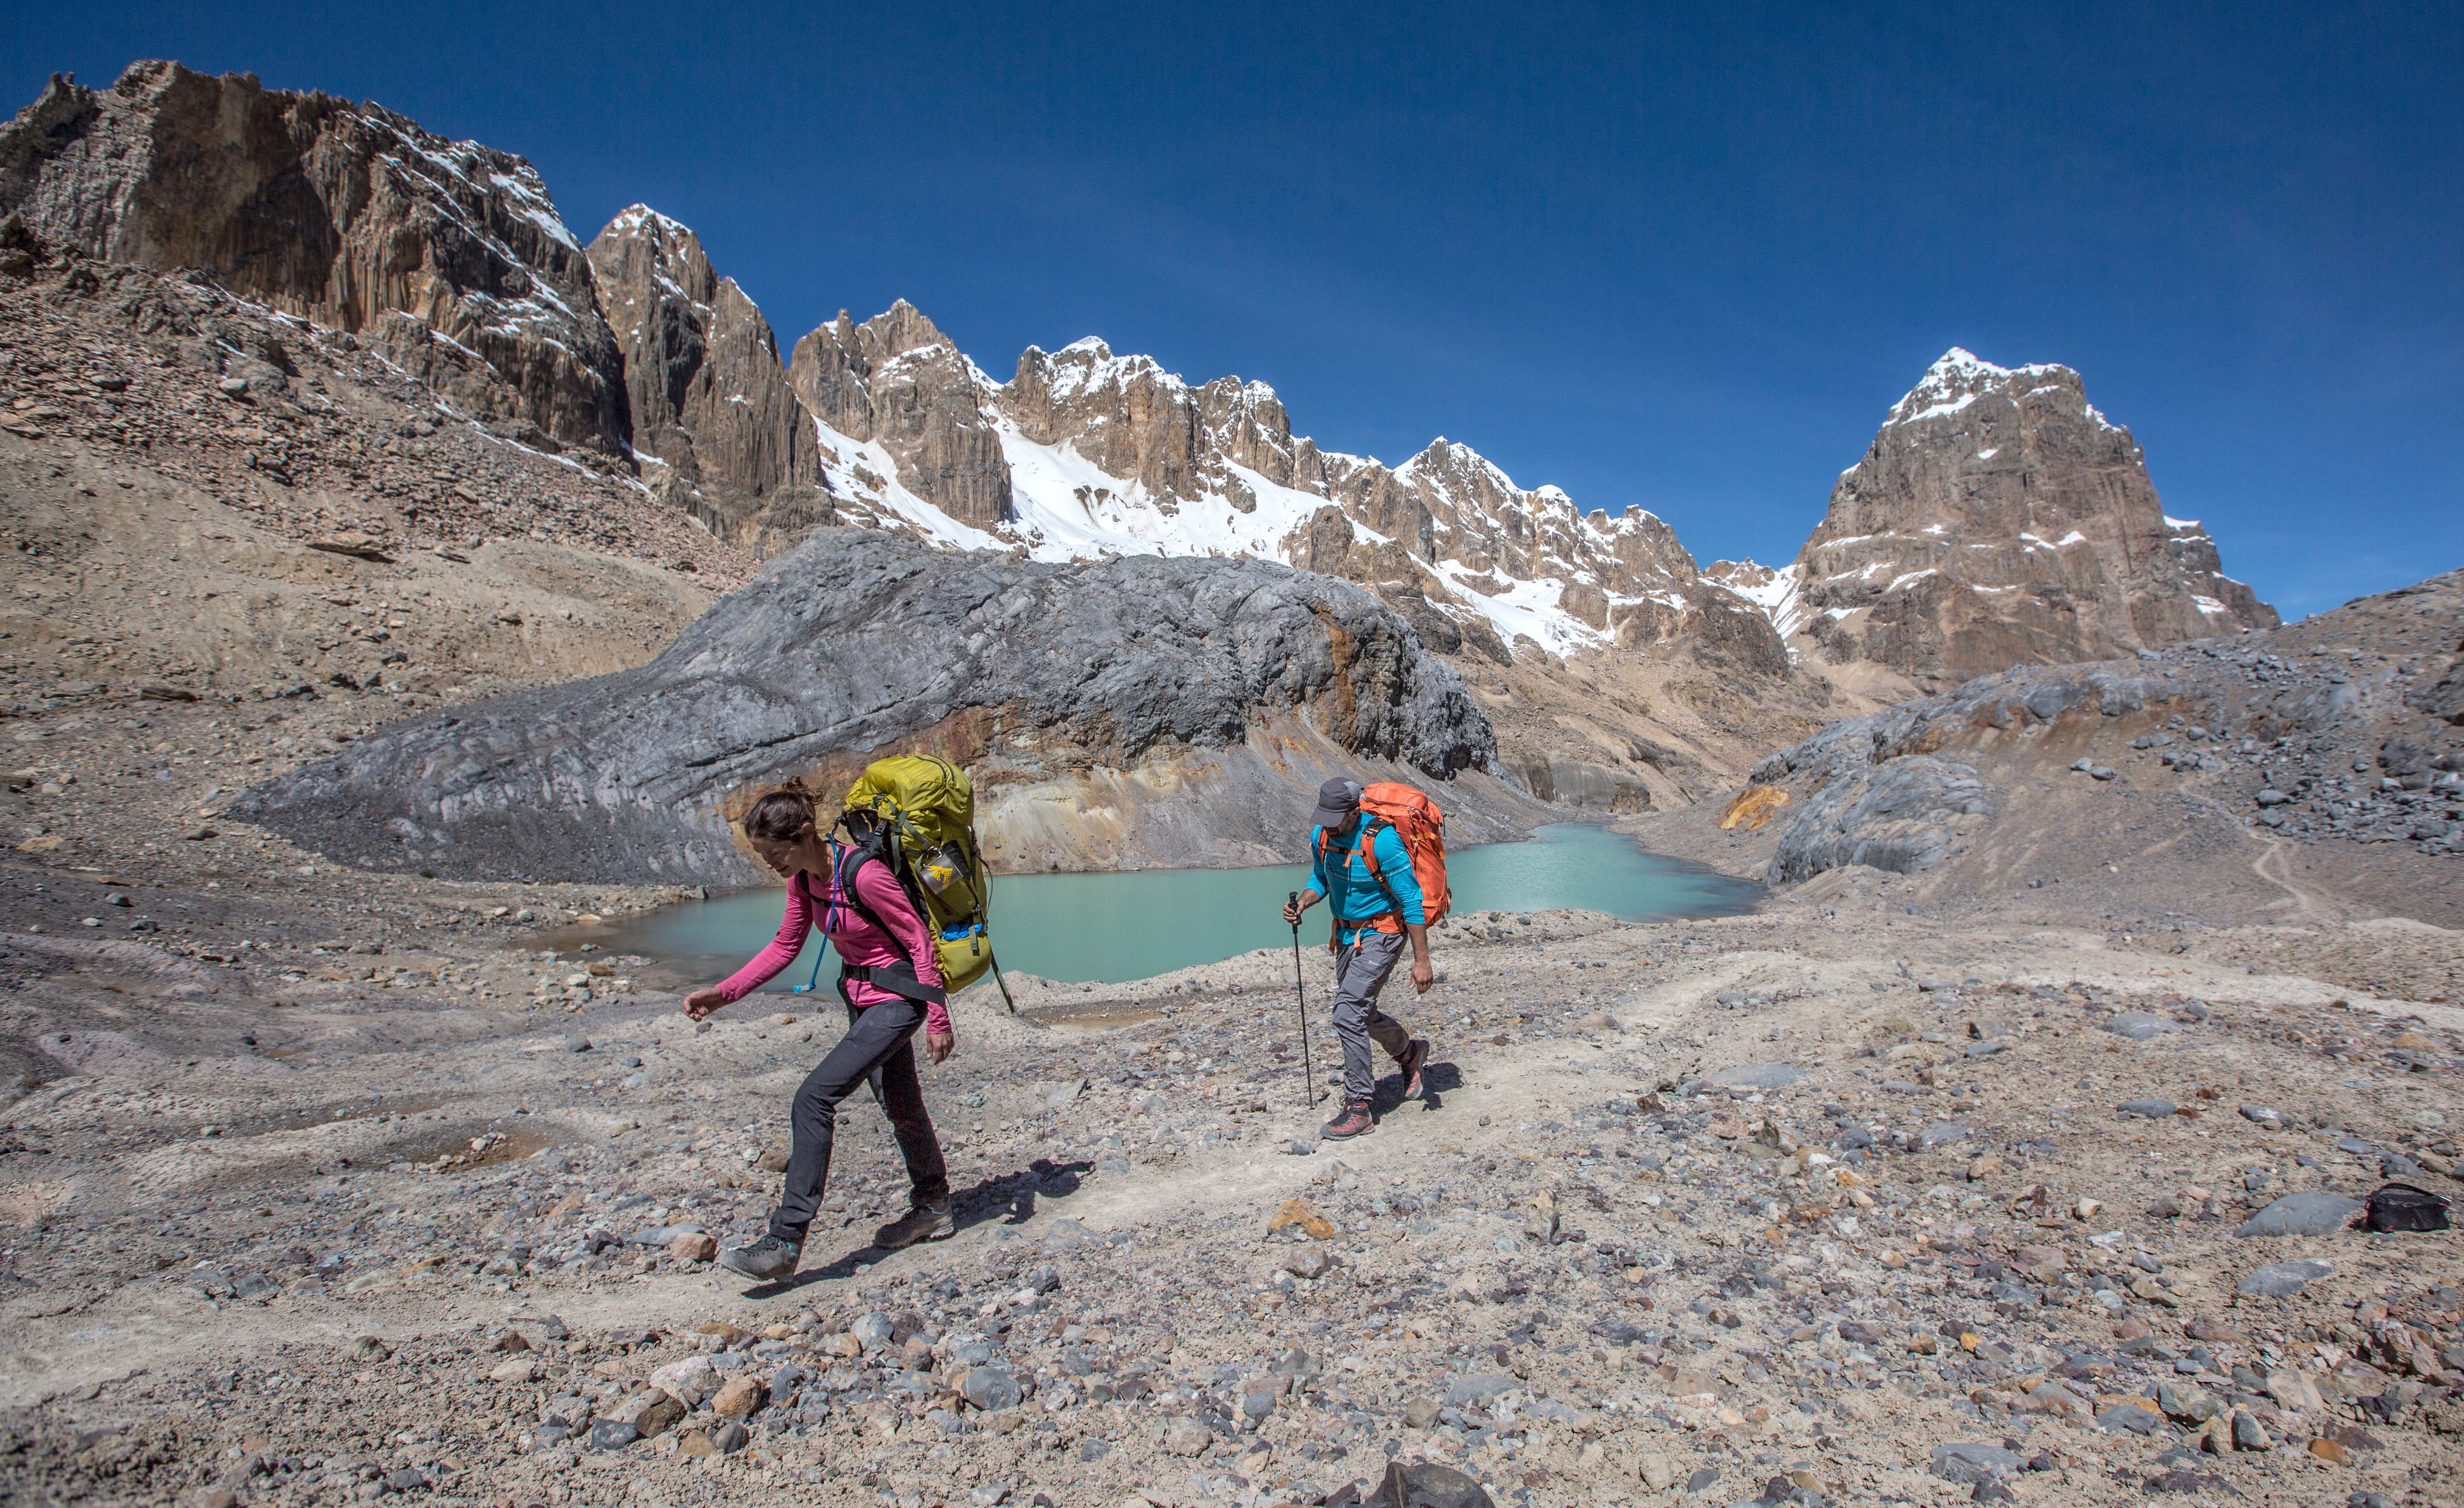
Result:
pixel 897 978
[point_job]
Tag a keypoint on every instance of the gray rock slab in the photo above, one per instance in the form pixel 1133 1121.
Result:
pixel 2146 1109
pixel 2317 1214
pixel 2262 1115
pixel 2141 1025
pixel 2283 1280
pixel 1757 1076
pixel 1942 1133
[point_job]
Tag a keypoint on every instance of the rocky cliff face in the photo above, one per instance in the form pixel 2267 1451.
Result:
pixel 897 382
pixel 1168 710
pixel 717 425
pixel 1999 519
pixel 448 255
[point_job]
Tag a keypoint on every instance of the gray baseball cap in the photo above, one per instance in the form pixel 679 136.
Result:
pixel 1337 799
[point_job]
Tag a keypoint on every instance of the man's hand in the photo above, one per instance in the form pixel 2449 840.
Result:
pixel 1423 976
pixel 938 1045
pixel 702 1003
pixel 1292 909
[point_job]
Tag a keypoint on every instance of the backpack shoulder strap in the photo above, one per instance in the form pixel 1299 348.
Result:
pixel 1370 827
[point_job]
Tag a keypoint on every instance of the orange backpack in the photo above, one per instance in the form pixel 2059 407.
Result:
pixel 1418 821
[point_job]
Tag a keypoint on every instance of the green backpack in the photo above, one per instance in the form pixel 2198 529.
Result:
pixel 922 811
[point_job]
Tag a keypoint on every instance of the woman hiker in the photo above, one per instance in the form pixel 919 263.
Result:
pixel 891 985
pixel 1368 935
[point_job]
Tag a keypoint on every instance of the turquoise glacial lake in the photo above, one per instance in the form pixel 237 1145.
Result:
pixel 1112 927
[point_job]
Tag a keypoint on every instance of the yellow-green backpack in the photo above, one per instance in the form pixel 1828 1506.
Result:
pixel 922 823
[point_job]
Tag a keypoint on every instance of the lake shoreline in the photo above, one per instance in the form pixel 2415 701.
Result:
pixel 1123 926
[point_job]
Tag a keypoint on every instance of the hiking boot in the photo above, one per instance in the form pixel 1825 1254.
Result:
pixel 1413 1057
pixel 1354 1121
pixel 926 1222
pixel 768 1259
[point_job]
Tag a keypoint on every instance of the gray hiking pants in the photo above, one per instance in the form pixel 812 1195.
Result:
pixel 1360 970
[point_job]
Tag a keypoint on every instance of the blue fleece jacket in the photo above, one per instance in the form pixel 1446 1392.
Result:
pixel 1349 888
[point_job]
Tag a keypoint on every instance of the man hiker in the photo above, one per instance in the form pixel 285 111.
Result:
pixel 1375 909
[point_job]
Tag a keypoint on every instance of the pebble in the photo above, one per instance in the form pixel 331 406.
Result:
pixel 2147 1110
pixel 2139 1025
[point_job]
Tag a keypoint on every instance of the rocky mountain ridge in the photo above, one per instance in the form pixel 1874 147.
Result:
pixel 447 255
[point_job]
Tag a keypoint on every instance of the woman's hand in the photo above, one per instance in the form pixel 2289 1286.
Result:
pixel 938 1045
pixel 702 1003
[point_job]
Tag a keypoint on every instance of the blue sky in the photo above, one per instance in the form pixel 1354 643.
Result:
pixel 1678 258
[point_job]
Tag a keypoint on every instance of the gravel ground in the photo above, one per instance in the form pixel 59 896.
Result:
pixel 413 1239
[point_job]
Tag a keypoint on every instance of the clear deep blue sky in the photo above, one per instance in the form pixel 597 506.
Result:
pixel 1679 259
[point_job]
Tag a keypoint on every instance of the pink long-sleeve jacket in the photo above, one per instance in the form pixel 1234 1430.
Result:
pixel 860 944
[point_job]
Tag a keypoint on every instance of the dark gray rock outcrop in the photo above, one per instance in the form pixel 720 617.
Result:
pixel 1877 796
pixel 1894 816
pixel 447 255
pixel 857 643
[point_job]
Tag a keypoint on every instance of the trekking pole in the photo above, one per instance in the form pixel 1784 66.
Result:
pixel 1300 988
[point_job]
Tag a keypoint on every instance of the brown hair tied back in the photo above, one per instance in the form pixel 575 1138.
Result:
pixel 781 816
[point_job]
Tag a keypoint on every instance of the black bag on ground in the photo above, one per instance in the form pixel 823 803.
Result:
pixel 2405 1207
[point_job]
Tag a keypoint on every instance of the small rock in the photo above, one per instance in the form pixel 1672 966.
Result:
pixel 368 1348
pixel 2129 1416
pixel 1756 1076
pixel 522 1368
pixel 2283 1280
pixel 1658 1471
pixel 2139 1025
pixel 1425 1484
pixel 2312 1213
pixel 1183 1435
pixel 1310 1262
pixel 1298 1214
pixel 2249 1434
pixel 612 1435
pixel 2146 1109
pixel 737 1397
pixel 989 1388
pixel 2328 1451
pixel 1479 1387
pixel 693 1247
pixel 1968 1464
pixel 1421 1412
pixel 2266 1115
pixel 871 1330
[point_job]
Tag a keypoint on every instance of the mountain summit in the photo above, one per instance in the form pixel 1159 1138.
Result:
pixel 1998 519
